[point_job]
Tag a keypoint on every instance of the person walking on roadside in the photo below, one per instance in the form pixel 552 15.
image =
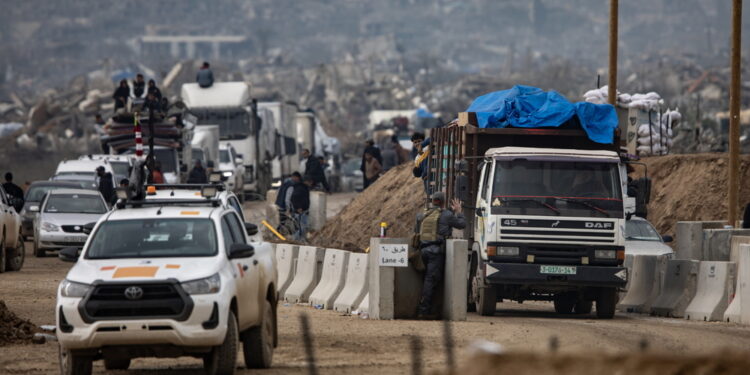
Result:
pixel 205 76
pixel 373 169
pixel 14 191
pixel 300 202
pixel 434 226
pixel 197 174
pixel 105 183
pixel 315 170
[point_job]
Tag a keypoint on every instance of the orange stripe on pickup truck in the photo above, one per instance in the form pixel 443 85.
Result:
pixel 107 268
pixel 172 266
pixel 135 272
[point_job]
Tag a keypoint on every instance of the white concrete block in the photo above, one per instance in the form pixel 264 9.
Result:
pixel 456 269
pixel 715 285
pixel 742 295
pixel 678 288
pixel 364 306
pixel 307 275
pixel 355 287
pixel 332 279
pixel 318 200
pixel 644 278
pixel 286 255
pixel 381 281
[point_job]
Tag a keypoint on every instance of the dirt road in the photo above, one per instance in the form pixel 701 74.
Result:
pixel 348 344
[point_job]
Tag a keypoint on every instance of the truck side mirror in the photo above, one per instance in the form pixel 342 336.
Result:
pixel 667 238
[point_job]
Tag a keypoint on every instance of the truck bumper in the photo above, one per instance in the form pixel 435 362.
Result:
pixel 530 274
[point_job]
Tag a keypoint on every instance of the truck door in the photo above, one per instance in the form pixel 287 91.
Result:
pixel 481 202
pixel 248 276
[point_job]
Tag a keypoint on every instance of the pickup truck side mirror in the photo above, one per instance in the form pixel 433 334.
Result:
pixel 68 254
pixel 241 250
pixel 88 228
pixel 667 238
pixel 251 229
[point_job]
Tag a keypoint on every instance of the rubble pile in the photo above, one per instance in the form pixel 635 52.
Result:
pixel 395 198
pixel 13 329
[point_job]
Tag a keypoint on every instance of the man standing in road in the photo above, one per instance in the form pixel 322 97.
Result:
pixel 105 183
pixel 14 191
pixel 197 174
pixel 300 202
pixel 434 226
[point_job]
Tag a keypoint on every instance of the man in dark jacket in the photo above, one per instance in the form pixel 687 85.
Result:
pixel 106 185
pixel 315 170
pixel 197 174
pixel 152 89
pixel 139 86
pixel 433 249
pixel 205 76
pixel 300 202
pixel 13 190
pixel 121 95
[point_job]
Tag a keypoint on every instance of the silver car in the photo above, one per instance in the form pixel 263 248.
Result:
pixel 641 238
pixel 63 216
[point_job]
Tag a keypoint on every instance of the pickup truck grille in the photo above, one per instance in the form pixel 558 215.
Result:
pixel 157 300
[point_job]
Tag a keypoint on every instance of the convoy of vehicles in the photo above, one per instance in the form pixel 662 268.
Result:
pixel 232 169
pixel 545 213
pixel 12 250
pixel 169 278
pixel 62 216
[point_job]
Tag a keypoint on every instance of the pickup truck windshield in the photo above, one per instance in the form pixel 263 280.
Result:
pixel 233 124
pixel 574 188
pixel 153 238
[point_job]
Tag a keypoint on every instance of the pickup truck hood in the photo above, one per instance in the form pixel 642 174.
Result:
pixel 183 269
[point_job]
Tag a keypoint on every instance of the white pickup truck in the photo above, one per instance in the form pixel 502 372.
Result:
pixel 168 278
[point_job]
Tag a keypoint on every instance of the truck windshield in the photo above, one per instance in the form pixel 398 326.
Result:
pixel 575 188
pixel 153 238
pixel 233 124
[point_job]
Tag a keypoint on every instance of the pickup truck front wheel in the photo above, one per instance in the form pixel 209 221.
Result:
pixel 223 358
pixel 72 364
pixel 257 343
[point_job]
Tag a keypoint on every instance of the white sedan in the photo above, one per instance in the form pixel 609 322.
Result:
pixel 641 238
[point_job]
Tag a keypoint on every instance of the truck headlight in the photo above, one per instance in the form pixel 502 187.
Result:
pixel 228 174
pixel 49 227
pixel 605 254
pixel 209 285
pixel 507 251
pixel 73 289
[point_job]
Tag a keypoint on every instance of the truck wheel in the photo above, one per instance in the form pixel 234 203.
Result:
pixel 257 343
pixel 223 358
pixel 487 301
pixel 606 303
pixel 116 364
pixel 564 303
pixel 71 364
pixel 16 256
pixel 38 252
pixel 583 307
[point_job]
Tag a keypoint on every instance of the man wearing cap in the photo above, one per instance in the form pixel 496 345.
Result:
pixel 434 226
pixel 105 183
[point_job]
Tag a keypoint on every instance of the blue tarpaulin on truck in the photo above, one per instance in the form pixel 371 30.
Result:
pixel 531 107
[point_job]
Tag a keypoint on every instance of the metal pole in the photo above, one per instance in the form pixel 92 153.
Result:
pixel 734 118
pixel 612 94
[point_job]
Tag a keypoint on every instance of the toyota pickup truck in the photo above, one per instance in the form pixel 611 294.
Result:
pixel 168 278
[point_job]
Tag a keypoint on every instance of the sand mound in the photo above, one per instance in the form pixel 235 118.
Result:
pixel 691 187
pixel 14 329
pixel 395 198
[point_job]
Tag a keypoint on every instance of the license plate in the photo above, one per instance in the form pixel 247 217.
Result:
pixel 74 239
pixel 558 270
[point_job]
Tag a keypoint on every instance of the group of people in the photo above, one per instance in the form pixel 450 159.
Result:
pixel 150 96
pixel 376 161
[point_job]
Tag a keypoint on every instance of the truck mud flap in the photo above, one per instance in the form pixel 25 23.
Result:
pixel 512 273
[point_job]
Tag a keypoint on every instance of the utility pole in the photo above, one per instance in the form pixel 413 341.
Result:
pixel 734 117
pixel 612 94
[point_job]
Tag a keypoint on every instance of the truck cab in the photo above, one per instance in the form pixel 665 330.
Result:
pixel 549 225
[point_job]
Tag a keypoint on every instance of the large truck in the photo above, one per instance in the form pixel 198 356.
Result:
pixel 248 129
pixel 286 155
pixel 545 210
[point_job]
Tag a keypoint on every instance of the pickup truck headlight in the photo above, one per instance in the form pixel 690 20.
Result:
pixel 228 174
pixel 73 289
pixel 49 227
pixel 209 285
pixel 605 254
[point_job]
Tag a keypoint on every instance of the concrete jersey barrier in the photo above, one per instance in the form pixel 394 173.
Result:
pixel 332 279
pixel 739 308
pixel 715 285
pixel 678 288
pixel 355 287
pixel 456 269
pixel 307 275
pixel 644 279
pixel 286 257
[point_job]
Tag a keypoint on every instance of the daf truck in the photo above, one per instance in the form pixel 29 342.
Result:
pixel 545 213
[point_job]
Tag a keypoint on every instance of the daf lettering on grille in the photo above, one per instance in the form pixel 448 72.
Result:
pixel 133 293
pixel 590 225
